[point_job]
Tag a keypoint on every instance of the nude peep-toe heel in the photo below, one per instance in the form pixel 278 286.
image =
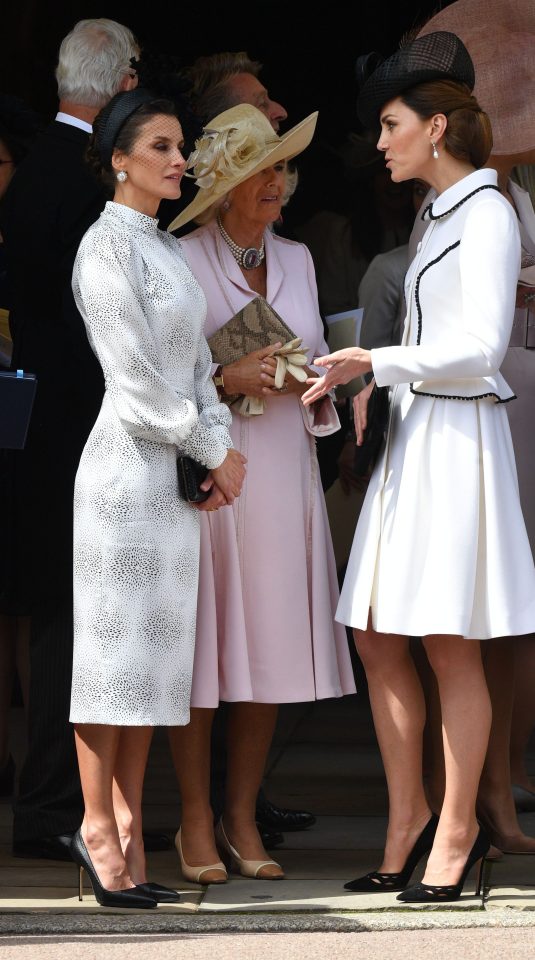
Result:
pixel 199 874
pixel 247 868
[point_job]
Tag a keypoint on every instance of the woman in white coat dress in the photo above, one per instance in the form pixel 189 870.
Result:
pixel 502 53
pixel 136 543
pixel 441 549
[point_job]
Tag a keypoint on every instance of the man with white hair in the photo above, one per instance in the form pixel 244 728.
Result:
pixel 51 202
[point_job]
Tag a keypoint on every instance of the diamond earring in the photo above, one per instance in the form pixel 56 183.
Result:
pixel 122 176
pixel 435 151
pixel 225 205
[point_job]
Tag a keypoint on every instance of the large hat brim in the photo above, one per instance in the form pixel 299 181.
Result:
pixel 290 144
pixel 500 38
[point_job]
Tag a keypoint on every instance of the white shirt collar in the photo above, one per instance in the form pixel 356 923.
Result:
pixel 462 188
pixel 74 122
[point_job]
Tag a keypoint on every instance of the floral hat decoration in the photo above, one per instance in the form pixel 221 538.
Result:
pixel 233 147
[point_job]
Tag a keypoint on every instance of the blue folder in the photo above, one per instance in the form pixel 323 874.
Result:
pixel 17 393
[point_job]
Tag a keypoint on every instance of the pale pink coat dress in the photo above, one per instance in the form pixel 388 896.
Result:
pixel 268 588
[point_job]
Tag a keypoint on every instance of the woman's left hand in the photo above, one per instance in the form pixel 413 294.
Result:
pixel 342 366
pixel 290 385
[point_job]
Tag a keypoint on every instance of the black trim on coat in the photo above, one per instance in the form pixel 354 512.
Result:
pixel 428 212
pixel 441 396
pixel 445 396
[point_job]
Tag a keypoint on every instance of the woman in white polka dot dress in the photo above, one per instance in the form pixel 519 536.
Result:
pixel 136 543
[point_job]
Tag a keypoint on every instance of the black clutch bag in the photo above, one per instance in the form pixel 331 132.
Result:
pixel 378 411
pixel 190 475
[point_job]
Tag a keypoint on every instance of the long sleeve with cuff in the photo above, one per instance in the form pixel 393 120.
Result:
pixel 153 400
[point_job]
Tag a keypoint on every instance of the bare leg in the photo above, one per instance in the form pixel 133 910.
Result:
pixel 190 747
pixel 96 746
pixel 398 709
pixel 433 752
pixel 495 799
pixel 132 753
pixel 250 731
pixel 466 720
pixel 523 722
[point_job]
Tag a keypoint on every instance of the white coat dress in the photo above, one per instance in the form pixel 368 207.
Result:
pixel 136 543
pixel 441 546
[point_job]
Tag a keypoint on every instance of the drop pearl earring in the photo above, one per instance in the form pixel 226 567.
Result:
pixel 435 151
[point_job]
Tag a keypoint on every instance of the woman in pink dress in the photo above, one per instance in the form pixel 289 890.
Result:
pixel 268 587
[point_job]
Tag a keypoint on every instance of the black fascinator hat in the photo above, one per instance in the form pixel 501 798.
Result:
pixel 435 56
pixel 114 115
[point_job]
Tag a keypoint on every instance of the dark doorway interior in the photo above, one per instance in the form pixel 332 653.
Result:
pixel 308 56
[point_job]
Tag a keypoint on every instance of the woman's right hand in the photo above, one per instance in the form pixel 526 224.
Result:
pixel 360 411
pixel 341 367
pixel 251 373
pixel 216 498
pixel 229 476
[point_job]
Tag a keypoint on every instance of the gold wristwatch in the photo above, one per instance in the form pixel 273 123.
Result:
pixel 219 379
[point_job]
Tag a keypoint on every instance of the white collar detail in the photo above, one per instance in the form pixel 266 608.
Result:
pixel 74 121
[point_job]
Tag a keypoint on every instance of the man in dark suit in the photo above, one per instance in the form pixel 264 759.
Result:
pixel 52 200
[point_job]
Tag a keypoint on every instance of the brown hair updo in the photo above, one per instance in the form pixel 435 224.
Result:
pixel 468 135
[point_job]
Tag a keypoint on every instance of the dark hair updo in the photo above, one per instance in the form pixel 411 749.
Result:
pixel 468 135
pixel 126 136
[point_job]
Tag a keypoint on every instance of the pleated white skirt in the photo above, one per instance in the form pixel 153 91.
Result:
pixel 441 546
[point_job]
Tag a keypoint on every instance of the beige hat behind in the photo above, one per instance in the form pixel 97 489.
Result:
pixel 235 145
pixel 500 37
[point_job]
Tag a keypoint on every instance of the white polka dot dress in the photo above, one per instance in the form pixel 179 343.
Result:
pixel 136 543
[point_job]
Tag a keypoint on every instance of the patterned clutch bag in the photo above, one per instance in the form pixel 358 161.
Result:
pixel 257 325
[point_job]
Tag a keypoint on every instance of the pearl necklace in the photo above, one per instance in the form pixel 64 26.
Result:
pixel 247 257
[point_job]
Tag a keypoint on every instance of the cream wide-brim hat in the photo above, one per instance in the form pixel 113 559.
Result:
pixel 500 38
pixel 234 146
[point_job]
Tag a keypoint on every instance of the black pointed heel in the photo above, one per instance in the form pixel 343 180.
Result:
pixel 483 878
pixel 160 893
pixel 427 893
pixel 384 882
pixel 132 897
